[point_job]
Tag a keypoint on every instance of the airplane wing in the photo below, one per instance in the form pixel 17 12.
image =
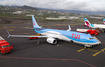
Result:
pixel 82 30
pixel 28 35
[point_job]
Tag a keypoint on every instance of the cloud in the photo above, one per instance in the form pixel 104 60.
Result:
pixel 57 4
pixel 84 5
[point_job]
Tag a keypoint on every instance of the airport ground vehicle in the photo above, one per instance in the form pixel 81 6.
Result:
pixel 93 32
pixel 31 38
pixel 5 47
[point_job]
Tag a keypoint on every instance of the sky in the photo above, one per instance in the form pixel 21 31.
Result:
pixel 83 5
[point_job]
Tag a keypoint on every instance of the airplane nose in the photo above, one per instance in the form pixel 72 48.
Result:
pixel 99 42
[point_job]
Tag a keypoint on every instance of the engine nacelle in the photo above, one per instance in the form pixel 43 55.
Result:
pixel 51 40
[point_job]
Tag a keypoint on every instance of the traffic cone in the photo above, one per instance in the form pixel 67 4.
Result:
pixel 57 45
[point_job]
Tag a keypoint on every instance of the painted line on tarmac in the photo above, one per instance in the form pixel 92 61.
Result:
pixel 27 27
pixel 99 52
pixel 25 33
pixel 88 49
pixel 81 47
pixel 5 27
pixel 10 30
pixel 93 50
pixel 72 45
pixel 48 59
pixel 80 50
pixel 103 42
pixel 12 27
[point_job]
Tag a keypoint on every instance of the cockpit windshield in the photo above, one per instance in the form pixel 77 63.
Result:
pixel 5 46
pixel 90 38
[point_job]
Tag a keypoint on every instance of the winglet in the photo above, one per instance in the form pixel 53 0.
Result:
pixel 8 33
pixel 69 28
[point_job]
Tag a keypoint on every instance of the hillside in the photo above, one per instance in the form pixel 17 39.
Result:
pixel 29 7
pixel 21 14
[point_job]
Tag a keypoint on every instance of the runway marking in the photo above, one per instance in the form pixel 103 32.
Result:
pixel 10 30
pixel 48 27
pixel 88 49
pixel 48 59
pixel 72 45
pixel 27 27
pixel 80 50
pixel 25 33
pixel 98 52
pixel 92 49
pixel 1 28
pixel 103 42
pixel 12 27
pixel 5 27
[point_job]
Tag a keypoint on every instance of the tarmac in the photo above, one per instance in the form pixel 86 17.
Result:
pixel 39 53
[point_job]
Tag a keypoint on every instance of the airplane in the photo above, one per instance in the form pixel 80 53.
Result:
pixel 52 35
pixel 88 24
pixel 90 31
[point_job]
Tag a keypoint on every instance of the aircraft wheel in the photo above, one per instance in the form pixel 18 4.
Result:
pixel 104 31
pixel 99 44
pixel 85 47
pixel 90 45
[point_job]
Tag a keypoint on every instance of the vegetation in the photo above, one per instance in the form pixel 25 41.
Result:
pixel 22 14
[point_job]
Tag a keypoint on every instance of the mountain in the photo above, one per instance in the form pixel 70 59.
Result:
pixel 29 7
pixel 23 7
pixel 84 12
pixel 71 11
pixel 78 11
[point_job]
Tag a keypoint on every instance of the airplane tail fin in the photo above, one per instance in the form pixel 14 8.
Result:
pixel 103 21
pixel 87 23
pixel 35 25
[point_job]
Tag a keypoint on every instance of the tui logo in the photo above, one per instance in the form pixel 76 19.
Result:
pixel 33 23
pixel 75 36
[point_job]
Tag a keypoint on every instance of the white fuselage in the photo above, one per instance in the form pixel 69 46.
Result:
pixel 99 26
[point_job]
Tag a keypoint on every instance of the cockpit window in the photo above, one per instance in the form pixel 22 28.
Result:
pixel 90 38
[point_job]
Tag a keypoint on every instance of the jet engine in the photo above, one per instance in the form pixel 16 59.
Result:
pixel 51 40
